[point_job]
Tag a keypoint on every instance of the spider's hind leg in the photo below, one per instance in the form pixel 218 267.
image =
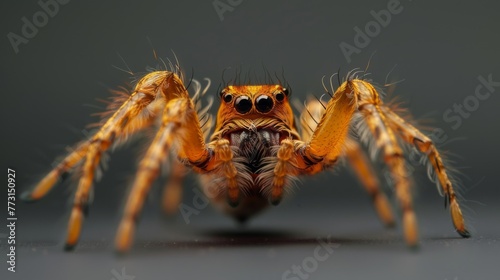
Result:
pixel 172 191
pixel 385 125
pixel 370 106
pixel 365 173
pixel 423 144
pixel 148 170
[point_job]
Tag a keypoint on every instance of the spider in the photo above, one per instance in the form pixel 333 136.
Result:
pixel 256 150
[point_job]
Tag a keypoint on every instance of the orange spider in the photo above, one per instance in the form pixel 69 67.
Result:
pixel 255 151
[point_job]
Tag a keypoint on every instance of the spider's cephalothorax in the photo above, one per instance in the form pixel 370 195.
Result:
pixel 255 150
pixel 253 120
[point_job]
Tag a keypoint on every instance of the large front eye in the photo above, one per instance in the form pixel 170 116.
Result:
pixel 264 103
pixel 243 104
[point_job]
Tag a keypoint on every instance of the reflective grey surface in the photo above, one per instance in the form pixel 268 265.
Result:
pixel 213 247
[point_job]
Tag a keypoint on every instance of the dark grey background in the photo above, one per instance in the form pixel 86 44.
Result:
pixel 50 88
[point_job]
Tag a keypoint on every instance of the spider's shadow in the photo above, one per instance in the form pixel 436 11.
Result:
pixel 241 237
pixel 230 238
pixel 258 238
pixel 253 238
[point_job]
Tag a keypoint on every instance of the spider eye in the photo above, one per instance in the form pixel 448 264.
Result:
pixel 228 98
pixel 243 104
pixel 280 96
pixel 286 91
pixel 264 103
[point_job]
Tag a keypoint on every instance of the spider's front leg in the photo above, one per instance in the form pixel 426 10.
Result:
pixel 180 128
pixel 330 135
pixel 136 113
pixel 356 157
pixel 296 157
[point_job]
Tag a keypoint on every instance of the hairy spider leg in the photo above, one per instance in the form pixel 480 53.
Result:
pixel 424 144
pixel 356 157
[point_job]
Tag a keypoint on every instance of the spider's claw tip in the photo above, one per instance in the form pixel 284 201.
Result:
pixel 27 197
pixel 69 247
pixel 464 233
pixel 275 201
